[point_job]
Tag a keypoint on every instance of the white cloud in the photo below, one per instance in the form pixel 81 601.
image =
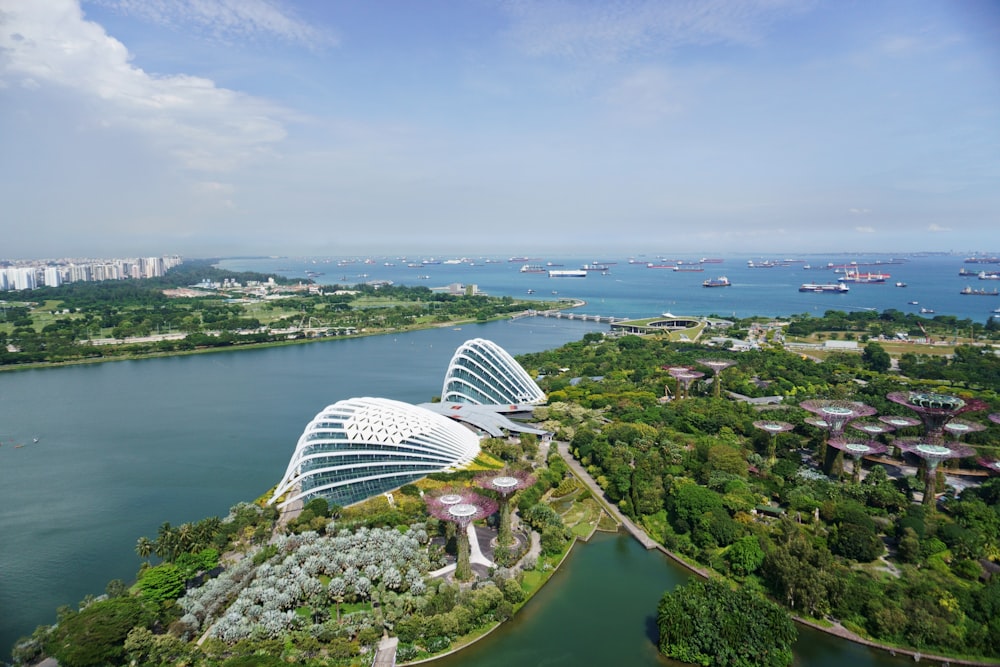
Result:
pixel 933 228
pixel 859 211
pixel 615 28
pixel 865 229
pixel 225 19
pixel 206 127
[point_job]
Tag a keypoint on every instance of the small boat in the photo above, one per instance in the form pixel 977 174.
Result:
pixel 927 311
pixel 900 284
pixel 18 446
pixel 531 291
pixel 913 303
pixel 34 439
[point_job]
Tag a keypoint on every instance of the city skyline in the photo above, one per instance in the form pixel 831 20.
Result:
pixel 209 127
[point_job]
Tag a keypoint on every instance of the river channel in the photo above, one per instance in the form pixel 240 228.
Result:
pixel 125 446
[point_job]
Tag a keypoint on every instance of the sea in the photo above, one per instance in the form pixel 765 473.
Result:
pixel 629 288
pixel 94 456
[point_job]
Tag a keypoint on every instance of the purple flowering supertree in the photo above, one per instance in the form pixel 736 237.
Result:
pixel 717 366
pixel 833 416
pixel 772 428
pixel 935 410
pixel 857 449
pixel 872 429
pixel 932 451
pixel 461 507
pixel 504 484
pixel 994 417
pixel 959 427
pixel 991 464
pixel 898 422
pixel 684 376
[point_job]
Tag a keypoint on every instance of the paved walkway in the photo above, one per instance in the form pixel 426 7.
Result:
pixel 385 656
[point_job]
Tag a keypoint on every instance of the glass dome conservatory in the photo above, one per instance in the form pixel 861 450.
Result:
pixel 483 373
pixel 360 447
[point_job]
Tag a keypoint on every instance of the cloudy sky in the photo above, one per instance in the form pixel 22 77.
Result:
pixel 226 127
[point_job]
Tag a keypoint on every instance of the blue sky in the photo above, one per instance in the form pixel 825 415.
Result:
pixel 225 127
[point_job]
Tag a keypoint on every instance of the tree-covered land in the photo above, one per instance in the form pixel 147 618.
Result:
pixel 696 474
pixel 710 623
pixel 197 306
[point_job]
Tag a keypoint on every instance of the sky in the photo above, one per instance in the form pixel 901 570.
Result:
pixel 477 127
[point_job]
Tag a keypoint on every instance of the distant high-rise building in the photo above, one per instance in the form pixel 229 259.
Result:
pixel 52 276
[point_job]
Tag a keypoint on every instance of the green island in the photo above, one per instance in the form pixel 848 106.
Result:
pixel 718 457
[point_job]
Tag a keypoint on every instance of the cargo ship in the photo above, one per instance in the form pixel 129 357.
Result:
pixel 978 292
pixel 721 281
pixel 532 268
pixel 567 273
pixel 835 288
pixel 855 276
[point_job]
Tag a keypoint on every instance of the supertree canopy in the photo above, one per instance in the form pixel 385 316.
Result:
pixel 837 413
pixel 995 417
pixel 461 507
pixel 772 428
pixel 857 449
pixel 935 410
pixel 717 366
pixel 504 484
pixel 899 422
pixel 960 427
pixel 932 451
pixel 873 429
pixel 684 376
pixel 990 464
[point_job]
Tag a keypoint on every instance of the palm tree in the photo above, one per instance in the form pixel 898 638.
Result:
pixel 143 547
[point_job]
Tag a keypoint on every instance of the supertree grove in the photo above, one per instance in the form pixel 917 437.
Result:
pixel 832 416
pixel 461 507
pixel 504 484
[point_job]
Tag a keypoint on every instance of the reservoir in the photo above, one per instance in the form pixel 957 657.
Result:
pixel 125 446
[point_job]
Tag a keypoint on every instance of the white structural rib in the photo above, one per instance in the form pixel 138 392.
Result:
pixel 483 373
pixel 360 447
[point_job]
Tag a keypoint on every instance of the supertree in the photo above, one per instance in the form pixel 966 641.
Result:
pixel 932 452
pixel 504 484
pixel 461 507
pixel 960 427
pixel 898 422
pixel 717 366
pixel 935 410
pixel 832 416
pixel 991 464
pixel 857 449
pixel 994 417
pixel 872 429
pixel 684 376
pixel 772 428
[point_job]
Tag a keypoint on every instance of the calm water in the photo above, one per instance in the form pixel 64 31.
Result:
pixel 125 446
pixel 633 290
pixel 600 609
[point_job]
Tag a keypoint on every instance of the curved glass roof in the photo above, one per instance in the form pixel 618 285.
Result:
pixel 360 447
pixel 483 373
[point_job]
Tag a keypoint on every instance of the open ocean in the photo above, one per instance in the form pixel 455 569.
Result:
pixel 633 290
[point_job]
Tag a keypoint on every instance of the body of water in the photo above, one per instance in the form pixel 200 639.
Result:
pixel 636 291
pixel 124 446
pixel 600 609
